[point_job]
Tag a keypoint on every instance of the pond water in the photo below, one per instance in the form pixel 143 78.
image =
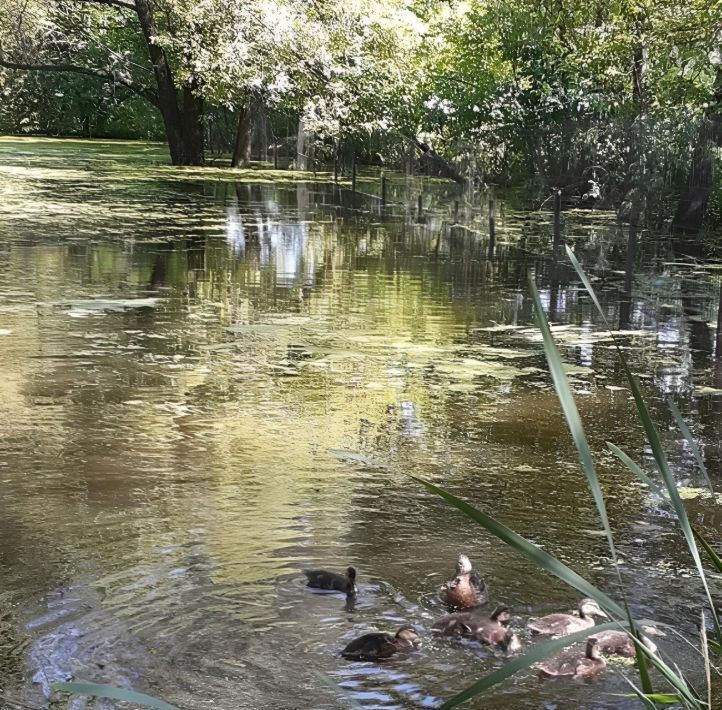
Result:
pixel 209 385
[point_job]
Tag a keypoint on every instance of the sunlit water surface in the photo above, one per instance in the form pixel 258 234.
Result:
pixel 208 386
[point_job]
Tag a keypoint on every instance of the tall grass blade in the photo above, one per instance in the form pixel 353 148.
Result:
pixel 574 422
pixel 571 413
pixel 657 451
pixel 708 549
pixel 705 651
pixel 108 691
pixel 542 558
pixel 635 469
pixel 654 699
pixel 536 653
pixel 554 566
pixel 644 697
pixel 690 440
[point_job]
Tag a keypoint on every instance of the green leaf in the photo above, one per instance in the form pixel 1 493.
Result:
pixel 634 468
pixel 657 450
pixel 659 698
pixel 708 549
pixel 108 691
pixel 690 440
pixel 542 558
pixel 537 653
pixel 644 697
pixel 574 422
pixel 571 413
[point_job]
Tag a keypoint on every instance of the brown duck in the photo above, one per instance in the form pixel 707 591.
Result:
pixel 564 624
pixel 466 589
pixel 371 647
pixel 491 631
pixel 570 664
pixel 620 643
pixel 321 579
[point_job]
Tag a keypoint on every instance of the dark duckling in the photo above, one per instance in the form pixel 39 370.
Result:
pixel 371 647
pixel 620 643
pixel 466 589
pixel 491 631
pixel 564 624
pixel 321 579
pixel 571 665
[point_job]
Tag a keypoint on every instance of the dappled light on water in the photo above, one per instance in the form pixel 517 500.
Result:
pixel 209 385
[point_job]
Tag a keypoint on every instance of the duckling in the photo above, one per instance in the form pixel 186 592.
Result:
pixel 570 664
pixel 321 579
pixel 467 623
pixel 620 643
pixel 491 631
pixel 564 624
pixel 371 647
pixel 466 589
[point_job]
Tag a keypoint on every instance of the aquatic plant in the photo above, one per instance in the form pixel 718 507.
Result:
pixel 682 692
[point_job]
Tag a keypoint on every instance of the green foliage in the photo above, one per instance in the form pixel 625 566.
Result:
pixel 592 96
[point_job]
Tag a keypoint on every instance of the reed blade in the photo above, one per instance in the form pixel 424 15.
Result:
pixel 98 690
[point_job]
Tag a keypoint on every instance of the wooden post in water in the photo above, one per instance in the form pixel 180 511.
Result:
pixel 718 344
pixel 420 205
pixel 456 211
pixel 557 221
pixel 492 227
pixel 383 190
pixel 631 258
pixel 353 173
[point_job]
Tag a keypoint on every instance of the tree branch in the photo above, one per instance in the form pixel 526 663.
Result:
pixel 113 3
pixel 147 94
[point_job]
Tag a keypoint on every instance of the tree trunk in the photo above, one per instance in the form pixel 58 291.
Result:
pixel 434 163
pixel 718 338
pixel 183 132
pixel 697 188
pixel 301 158
pixel 192 127
pixel 242 147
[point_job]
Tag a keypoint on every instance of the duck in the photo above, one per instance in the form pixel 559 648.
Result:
pixel 563 624
pixel 374 646
pixel 571 665
pixel 466 589
pixel 321 579
pixel 620 643
pixel 468 623
pixel 491 631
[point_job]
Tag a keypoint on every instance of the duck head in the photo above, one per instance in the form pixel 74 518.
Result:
pixel 588 607
pixel 501 614
pixel 511 643
pixel 408 635
pixel 463 565
pixel 351 577
pixel 592 651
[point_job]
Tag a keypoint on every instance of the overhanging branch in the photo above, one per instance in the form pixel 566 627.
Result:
pixel 146 93
pixel 113 3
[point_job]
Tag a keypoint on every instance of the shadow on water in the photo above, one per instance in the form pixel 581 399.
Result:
pixel 208 386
